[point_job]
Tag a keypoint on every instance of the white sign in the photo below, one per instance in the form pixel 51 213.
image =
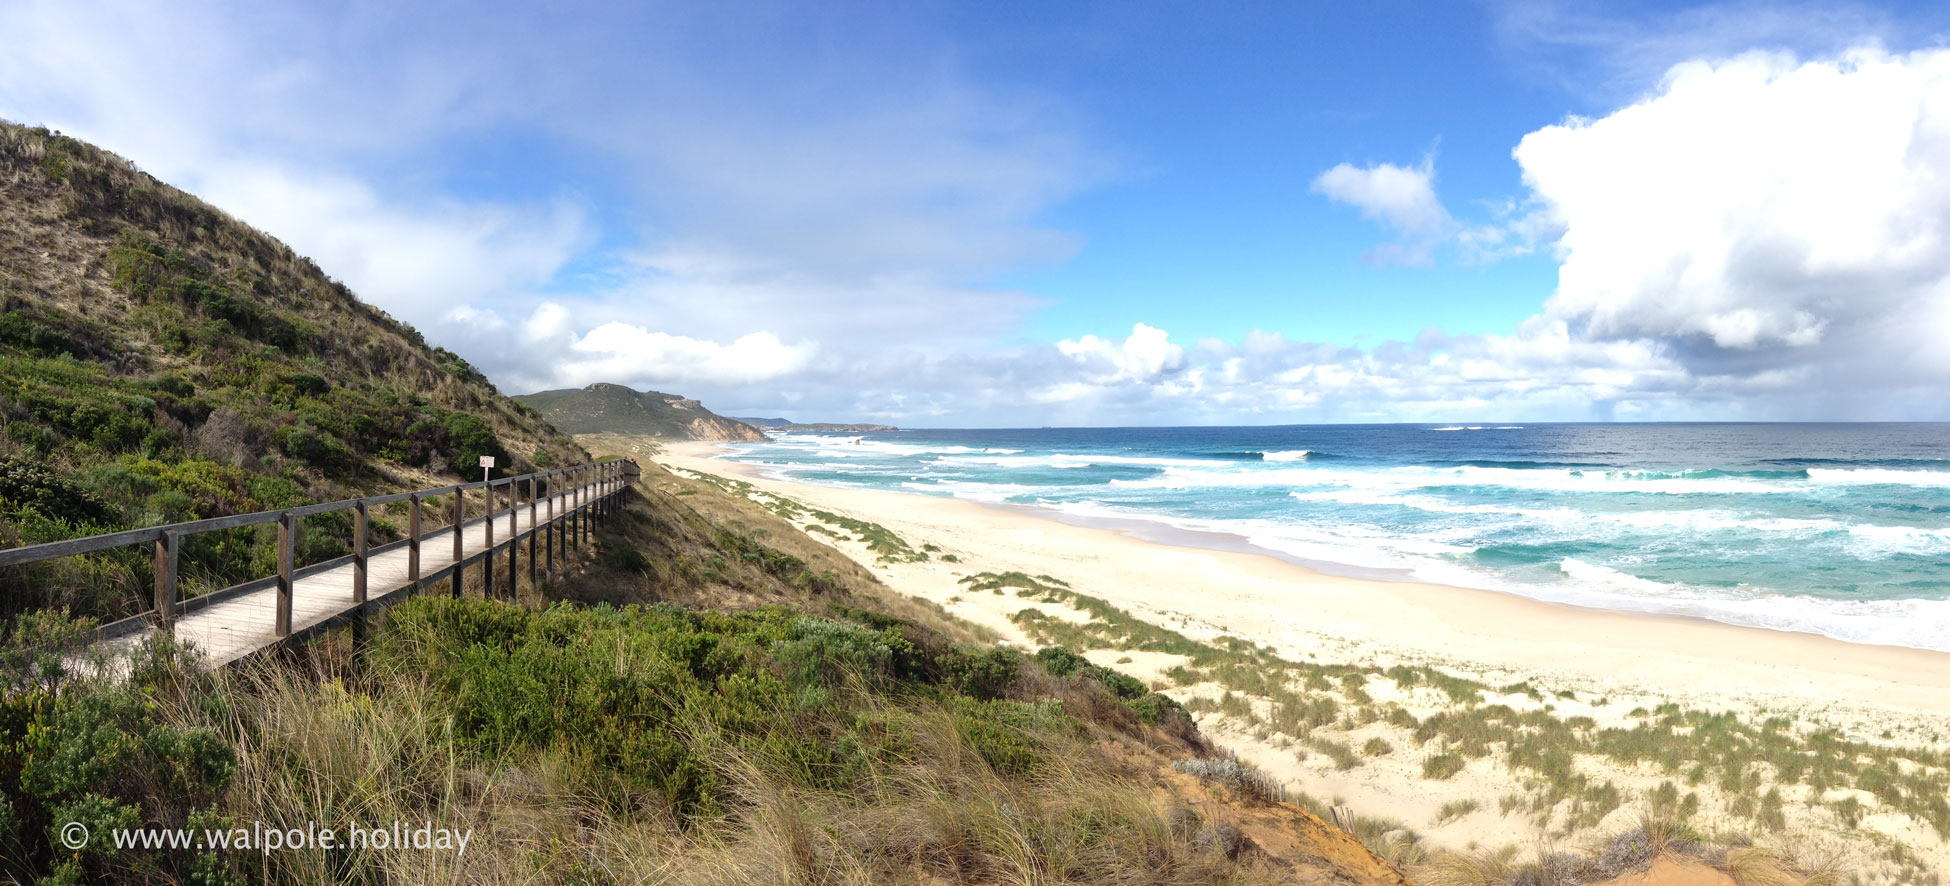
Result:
pixel 487 461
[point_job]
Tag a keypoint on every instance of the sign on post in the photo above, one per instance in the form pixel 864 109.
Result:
pixel 487 464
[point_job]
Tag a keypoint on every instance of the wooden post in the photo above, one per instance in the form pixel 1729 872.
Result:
pixel 487 534
pixel 360 566
pixel 359 562
pixel 514 538
pixel 413 543
pixel 166 558
pixel 534 576
pixel 549 540
pixel 460 516
pixel 287 532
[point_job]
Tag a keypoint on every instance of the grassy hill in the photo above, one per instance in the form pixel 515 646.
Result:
pixel 161 361
pixel 615 409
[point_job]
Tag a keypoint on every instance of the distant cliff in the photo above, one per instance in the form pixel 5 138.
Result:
pixel 614 409
pixel 780 424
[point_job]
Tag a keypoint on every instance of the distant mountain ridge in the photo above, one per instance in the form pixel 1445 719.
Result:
pixel 781 424
pixel 604 408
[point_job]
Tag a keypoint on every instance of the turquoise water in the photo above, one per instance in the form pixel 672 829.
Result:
pixel 1842 530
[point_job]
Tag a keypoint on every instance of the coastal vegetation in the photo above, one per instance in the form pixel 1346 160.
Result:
pixel 748 727
pixel 164 362
pixel 1714 783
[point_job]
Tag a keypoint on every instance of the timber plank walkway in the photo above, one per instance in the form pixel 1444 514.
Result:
pixel 230 624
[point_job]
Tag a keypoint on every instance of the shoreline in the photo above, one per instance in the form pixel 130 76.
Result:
pixel 1239 588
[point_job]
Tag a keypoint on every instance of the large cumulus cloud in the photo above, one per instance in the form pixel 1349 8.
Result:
pixel 1763 215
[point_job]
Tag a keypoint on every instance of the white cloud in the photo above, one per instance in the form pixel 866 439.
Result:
pixel 625 351
pixel 1401 197
pixel 545 351
pixel 1761 214
pixel 796 172
pixel 415 260
pixel 1146 357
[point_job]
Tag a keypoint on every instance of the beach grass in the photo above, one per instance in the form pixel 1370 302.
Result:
pixel 1769 774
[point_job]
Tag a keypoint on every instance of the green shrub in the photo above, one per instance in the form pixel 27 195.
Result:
pixel 467 438
pixel 317 448
pixel 990 674
pixel 820 655
pixel 27 484
pixel 98 755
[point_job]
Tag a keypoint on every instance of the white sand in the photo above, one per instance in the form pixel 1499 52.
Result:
pixel 1307 614
pixel 1625 660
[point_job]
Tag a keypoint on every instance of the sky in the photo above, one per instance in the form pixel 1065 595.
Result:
pixel 962 214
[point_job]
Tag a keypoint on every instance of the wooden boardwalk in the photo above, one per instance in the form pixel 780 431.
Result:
pixel 236 627
pixel 521 534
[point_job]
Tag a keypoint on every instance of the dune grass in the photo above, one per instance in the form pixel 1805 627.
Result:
pixel 886 545
pixel 1766 773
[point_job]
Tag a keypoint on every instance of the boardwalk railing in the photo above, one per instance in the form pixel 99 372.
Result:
pixel 551 510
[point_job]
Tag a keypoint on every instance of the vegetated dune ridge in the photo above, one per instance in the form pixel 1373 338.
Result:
pixel 163 362
pixel 614 409
pixel 1463 721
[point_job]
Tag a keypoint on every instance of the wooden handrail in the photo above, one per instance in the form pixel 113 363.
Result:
pixel 601 479
pixel 93 543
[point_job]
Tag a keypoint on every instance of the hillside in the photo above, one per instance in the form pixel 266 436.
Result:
pixel 781 424
pixel 163 361
pixel 615 409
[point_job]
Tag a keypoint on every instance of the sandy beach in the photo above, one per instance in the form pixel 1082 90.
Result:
pixel 1592 663
pixel 1305 613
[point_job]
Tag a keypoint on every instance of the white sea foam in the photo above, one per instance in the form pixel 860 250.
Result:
pixel 983 492
pixel 1592 573
pixel 1911 622
pixel 1467 508
pixel 1878 477
pixel 1543 479
pixel 1903 622
pixel 1153 461
pixel 1068 460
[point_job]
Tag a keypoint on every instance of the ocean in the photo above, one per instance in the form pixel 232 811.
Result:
pixel 1836 529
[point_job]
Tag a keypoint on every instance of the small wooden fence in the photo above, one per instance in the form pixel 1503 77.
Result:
pixel 551 510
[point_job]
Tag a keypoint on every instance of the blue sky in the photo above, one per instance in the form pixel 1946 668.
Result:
pixel 1088 213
